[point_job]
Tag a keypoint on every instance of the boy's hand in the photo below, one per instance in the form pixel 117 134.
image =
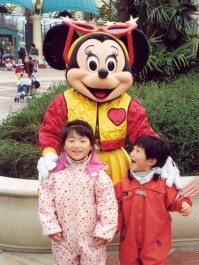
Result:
pixel 99 241
pixel 186 209
pixel 56 237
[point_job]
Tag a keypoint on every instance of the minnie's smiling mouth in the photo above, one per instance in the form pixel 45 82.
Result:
pixel 100 93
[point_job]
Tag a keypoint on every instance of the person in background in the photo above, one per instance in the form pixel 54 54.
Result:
pixel 77 204
pixel 22 53
pixel 19 69
pixel 23 84
pixel 34 52
pixel 9 49
pixel 28 65
pixel 192 187
pixel 144 202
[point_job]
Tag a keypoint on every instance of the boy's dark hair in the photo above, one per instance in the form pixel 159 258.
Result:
pixel 33 45
pixel 154 148
pixel 79 126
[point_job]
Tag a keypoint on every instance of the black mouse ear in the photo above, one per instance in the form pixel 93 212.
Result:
pixel 140 49
pixel 53 45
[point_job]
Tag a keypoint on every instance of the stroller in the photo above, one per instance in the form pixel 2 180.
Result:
pixel 35 81
pixel 35 62
pixel 33 84
pixel 9 61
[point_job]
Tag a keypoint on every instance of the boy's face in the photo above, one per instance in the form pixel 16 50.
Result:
pixel 77 146
pixel 139 162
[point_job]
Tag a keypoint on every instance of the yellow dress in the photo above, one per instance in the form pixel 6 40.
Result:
pixel 118 162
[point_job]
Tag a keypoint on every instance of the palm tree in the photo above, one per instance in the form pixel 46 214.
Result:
pixel 109 11
pixel 166 24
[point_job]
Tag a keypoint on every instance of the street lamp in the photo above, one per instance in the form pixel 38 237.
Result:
pixel 38 7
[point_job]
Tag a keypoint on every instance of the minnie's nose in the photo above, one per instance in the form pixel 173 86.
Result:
pixel 103 72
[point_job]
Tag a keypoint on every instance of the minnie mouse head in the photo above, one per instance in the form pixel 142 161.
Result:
pixel 99 60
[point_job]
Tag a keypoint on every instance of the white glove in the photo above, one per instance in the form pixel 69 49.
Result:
pixel 45 164
pixel 171 174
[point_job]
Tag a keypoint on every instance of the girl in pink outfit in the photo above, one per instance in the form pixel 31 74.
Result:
pixel 77 205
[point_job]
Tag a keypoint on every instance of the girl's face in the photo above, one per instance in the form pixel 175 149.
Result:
pixel 77 146
pixel 139 162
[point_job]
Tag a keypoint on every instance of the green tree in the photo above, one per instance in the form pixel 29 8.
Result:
pixel 166 25
pixel 109 11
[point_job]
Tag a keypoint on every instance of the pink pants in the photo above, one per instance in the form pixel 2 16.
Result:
pixel 65 254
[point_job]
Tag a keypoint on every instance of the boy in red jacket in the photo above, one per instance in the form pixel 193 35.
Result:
pixel 144 203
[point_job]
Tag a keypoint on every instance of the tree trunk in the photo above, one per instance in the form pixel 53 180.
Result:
pixel 124 11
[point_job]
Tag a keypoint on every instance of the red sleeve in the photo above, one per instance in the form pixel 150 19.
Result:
pixel 53 123
pixel 174 203
pixel 137 121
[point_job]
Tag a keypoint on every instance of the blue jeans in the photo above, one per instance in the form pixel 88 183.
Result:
pixel 22 88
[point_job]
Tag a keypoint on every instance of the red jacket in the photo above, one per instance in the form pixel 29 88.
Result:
pixel 144 221
pixel 19 69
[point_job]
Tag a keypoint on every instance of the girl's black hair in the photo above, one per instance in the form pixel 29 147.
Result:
pixel 154 148
pixel 80 127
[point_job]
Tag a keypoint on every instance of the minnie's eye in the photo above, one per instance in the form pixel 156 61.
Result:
pixel 111 64
pixel 92 63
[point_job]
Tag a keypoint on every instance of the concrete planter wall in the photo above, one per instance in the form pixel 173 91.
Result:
pixel 19 222
pixel 21 230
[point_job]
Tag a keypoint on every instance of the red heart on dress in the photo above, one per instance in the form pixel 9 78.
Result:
pixel 117 116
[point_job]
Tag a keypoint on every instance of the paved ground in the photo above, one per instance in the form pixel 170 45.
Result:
pixel 8 88
pixel 178 256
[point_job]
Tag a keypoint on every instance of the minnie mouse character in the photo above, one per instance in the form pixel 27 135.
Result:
pixel 99 63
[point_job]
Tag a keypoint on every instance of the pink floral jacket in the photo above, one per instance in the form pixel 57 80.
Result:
pixel 78 200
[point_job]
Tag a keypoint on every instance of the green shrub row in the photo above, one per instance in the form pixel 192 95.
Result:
pixel 173 111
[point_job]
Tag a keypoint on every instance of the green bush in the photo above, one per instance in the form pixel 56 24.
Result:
pixel 172 109
pixel 19 148
pixel 18 160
